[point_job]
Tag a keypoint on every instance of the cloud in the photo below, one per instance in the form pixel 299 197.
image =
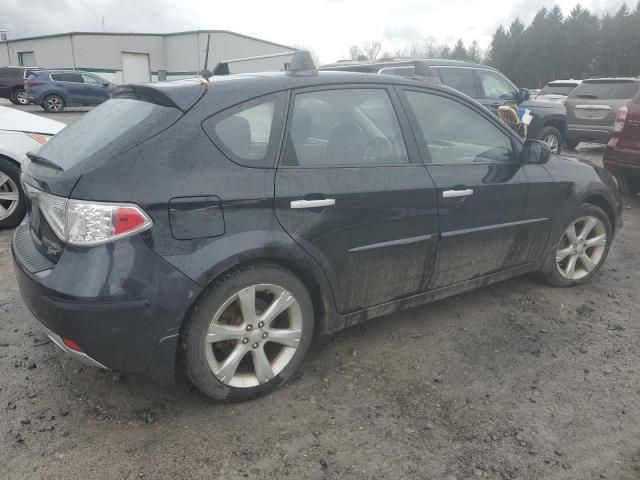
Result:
pixel 402 33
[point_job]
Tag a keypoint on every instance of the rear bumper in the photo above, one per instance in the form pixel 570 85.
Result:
pixel 586 133
pixel 121 303
pixel 621 161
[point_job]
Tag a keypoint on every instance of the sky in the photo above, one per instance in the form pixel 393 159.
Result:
pixel 329 27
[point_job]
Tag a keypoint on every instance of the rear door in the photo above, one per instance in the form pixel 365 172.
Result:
pixel 490 218
pixel 351 190
pixel 71 86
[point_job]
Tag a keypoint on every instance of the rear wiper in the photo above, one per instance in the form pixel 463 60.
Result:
pixel 43 161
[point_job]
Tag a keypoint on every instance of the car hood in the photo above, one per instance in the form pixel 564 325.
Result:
pixel 15 120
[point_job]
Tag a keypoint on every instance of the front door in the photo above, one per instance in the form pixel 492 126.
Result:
pixel 486 222
pixel 495 90
pixel 355 195
pixel 96 89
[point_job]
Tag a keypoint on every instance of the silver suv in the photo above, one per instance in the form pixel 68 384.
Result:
pixel 593 105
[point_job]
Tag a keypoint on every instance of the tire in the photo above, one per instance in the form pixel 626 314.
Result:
pixel 53 103
pixel 18 97
pixel 629 185
pixel 220 306
pixel 12 203
pixel 572 144
pixel 552 137
pixel 597 253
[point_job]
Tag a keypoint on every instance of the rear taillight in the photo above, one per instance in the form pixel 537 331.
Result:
pixel 78 222
pixel 621 119
pixel 39 137
pixel 32 83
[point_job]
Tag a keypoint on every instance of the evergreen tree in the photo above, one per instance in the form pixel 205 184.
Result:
pixel 459 51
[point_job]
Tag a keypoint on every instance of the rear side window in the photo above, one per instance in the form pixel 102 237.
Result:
pixel 456 134
pixel 117 125
pixel 66 77
pixel 461 79
pixel 350 127
pixel 605 90
pixel 248 133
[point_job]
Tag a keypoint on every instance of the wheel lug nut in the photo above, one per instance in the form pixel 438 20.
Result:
pixel 265 335
pixel 245 340
pixel 255 345
pixel 249 327
pixel 261 324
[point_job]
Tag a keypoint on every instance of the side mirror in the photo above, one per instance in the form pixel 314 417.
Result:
pixel 536 152
pixel 106 85
pixel 524 94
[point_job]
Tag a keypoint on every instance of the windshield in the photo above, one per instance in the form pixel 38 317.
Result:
pixel 613 90
pixel 558 89
pixel 117 124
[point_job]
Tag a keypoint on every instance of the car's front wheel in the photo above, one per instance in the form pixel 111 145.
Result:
pixel 12 205
pixel 581 249
pixel 552 137
pixel 248 333
pixel 53 103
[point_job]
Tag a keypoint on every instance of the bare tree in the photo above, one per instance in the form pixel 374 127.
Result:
pixel 354 52
pixel 372 49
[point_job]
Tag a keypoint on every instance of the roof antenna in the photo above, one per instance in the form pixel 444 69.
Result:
pixel 301 64
pixel 206 73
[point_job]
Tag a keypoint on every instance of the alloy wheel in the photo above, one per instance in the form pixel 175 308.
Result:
pixel 21 98
pixel 54 103
pixel 581 248
pixel 553 143
pixel 9 196
pixel 253 336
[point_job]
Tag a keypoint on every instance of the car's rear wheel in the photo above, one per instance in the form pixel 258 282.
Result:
pixel 19 97
pixel 581 249
pixel 629 185
pixel 248 333
pixel 12 205
pixel 53 103
pixel 552 137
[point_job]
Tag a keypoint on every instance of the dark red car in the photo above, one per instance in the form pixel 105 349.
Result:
pixel 622 155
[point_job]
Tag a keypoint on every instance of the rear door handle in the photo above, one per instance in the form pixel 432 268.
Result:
pixel 325 202
pixel 457 193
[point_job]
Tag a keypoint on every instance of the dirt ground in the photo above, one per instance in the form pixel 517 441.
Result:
pixel 514 381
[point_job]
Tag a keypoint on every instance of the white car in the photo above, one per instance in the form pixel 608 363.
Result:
pixel 20 132
pixel 557 91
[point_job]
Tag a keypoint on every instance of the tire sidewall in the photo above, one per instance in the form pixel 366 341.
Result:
pixel 552 275
pixel 215 295
pixel 13 171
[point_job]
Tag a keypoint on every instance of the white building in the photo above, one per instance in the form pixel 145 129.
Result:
pixel 142 57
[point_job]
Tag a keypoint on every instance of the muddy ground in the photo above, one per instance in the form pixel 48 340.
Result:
pixel 514 381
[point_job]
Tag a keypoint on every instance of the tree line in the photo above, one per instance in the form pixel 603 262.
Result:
pixel 580 45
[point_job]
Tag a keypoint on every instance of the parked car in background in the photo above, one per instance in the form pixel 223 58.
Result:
pixel 557 91
pixel 209 242
pixel 20 132
pixel 56 89
pixel 12 83
pixel 482 83
pixel 622 155
pixel 533 92
pixel 592 108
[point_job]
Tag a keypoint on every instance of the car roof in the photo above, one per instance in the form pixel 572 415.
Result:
pixel 567 82
pixel 432 62
pixel 42 70
pixel 611 79
pixel 18 121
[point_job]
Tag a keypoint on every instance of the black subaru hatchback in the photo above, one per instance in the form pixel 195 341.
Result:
pixel 220 224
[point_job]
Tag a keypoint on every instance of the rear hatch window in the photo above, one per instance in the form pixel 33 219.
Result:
pixel 114 126
pixel 606 90
pixel 558 89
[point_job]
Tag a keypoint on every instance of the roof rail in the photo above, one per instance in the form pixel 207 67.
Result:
pixel 222 68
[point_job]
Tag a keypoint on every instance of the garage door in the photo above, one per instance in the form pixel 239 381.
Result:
pixel 135 67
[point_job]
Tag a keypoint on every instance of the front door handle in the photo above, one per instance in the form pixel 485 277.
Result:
pixel 325 202
pixel 457 193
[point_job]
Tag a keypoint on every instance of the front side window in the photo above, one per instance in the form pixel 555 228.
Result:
pixel 461 79
pixel 246 133
pixel 350 127
pixel 456 134
pixel 495 86
pixel 91 80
